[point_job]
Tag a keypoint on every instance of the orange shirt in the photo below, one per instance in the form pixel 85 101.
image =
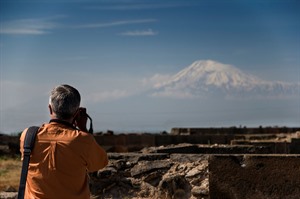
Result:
pixel 59 163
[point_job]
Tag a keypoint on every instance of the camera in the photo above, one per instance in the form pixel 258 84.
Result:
pixel 81 118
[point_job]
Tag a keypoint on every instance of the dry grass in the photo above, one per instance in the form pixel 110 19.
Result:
pixel 10 170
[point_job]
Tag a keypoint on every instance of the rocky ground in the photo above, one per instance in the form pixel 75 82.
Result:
pixel 147 175
pixel 8 195
pixel 163 176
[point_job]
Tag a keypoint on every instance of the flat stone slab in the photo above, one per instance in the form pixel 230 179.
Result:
pixel 149 166
pixel 210 149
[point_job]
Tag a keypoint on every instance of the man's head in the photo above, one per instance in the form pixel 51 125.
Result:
pixel 64 102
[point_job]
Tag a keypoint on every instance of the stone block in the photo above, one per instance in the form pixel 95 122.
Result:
pixel 254 176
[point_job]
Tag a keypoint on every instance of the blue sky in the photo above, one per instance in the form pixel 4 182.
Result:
pixel 108 48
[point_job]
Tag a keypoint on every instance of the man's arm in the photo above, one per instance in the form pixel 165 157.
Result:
pixel 22 138
pixel 96 157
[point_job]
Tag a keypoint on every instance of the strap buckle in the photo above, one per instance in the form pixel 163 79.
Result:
pixel 27 151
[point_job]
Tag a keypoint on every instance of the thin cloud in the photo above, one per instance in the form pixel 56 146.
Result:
pixel 32 26
pixel 148 32
pixel 41 26
pixel 14 93
pixel 156 80
pixel 138 6
pixel 108 95
pixel 115 23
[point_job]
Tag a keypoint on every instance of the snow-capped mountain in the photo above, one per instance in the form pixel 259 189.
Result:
pixel 210 77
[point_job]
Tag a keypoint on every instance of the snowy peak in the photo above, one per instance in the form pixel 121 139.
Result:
pixel 207 76
pixel 210 66
pixel 212 73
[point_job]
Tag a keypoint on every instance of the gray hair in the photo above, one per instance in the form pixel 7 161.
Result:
pixel 65 101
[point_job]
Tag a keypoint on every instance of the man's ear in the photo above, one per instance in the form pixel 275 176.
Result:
pixel 50 109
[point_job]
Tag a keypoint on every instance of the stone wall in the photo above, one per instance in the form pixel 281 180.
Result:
pixel 278 143
pixel 254 176
pixel 233 130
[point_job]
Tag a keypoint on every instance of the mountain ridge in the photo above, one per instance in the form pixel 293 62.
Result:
pixel 205 77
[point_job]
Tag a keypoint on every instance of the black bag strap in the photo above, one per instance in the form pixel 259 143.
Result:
pixel 28 147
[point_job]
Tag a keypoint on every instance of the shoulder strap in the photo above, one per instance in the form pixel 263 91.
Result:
pixel 28 147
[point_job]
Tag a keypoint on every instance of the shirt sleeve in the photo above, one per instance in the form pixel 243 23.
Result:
pixel 97 156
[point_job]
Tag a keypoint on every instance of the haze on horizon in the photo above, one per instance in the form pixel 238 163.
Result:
pixel 117 53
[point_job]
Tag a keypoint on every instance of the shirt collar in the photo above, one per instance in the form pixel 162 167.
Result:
pixel 62 122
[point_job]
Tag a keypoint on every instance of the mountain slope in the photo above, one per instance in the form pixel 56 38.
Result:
pixel 204 78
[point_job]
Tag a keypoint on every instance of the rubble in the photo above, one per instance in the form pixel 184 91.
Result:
pixel 8 195
pixel 138 175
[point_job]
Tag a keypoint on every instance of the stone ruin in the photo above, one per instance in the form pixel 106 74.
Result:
pixel 139 175
pixel 195 164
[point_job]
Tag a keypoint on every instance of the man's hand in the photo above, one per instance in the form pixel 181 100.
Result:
pixel 81 119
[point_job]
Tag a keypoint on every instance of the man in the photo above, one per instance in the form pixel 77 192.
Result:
pixel 63 154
